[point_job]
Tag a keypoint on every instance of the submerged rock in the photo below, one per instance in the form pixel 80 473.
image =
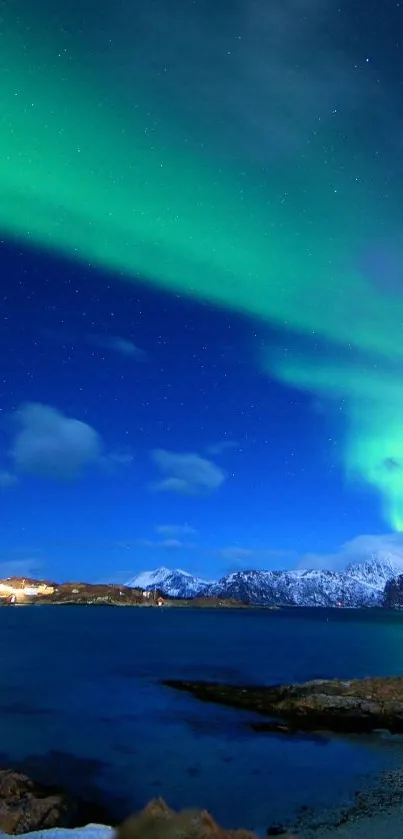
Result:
pixel 347 706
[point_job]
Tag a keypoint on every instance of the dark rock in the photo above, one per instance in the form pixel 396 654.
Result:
pixel 345 706
pixel 26 806
pixel 78 777
pixel 73 800
pixel 276 830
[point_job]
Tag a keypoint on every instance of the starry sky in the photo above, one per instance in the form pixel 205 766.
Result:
pixel 201 285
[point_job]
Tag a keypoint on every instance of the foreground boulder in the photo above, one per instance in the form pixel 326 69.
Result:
pixel 26 806
pixel 158 821
pixel 347 706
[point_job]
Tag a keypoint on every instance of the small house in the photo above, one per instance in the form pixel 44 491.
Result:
pixel 160 601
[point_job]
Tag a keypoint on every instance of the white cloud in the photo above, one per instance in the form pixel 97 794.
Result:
pixel 119 345
pixel 7 479
pixel 356 550
pixel 51 444
pixel 173 530
pixel 186 473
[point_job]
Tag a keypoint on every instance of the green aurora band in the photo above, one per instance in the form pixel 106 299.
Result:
pixel 87 180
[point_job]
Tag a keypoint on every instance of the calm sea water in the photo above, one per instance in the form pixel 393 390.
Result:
pixel 82 705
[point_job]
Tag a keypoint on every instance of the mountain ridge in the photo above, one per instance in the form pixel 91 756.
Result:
pixel 361 584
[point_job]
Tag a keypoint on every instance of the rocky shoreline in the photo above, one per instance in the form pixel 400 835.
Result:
pixel 340 706
pixel 350 706
pixel 27 806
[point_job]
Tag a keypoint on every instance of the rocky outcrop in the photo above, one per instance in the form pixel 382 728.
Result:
pixel 348 706
pixel 393 595
pixel 26 806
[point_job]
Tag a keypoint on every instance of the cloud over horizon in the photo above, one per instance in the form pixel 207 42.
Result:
pixel 356 550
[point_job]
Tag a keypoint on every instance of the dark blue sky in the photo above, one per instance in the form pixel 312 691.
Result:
pixel 186 382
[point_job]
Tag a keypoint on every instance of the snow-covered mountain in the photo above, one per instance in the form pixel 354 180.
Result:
pixel 298 588
pixel 360 584
pixel 173 583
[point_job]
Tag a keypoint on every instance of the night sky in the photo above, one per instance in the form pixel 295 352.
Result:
pixel 201 285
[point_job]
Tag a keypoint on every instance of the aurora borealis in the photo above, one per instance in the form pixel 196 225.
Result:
pixel 219 159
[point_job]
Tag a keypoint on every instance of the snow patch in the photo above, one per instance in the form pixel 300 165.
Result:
pixel 90 831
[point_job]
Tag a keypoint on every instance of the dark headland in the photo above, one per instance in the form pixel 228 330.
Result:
pixel 350 706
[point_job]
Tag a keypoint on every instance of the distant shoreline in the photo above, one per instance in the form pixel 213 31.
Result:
pixel 169 604
pixel 21 591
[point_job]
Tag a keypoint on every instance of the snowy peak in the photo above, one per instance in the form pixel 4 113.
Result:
pixel 379 567
pixel 172 583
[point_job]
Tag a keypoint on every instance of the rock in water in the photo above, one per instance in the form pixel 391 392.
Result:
pixel 345 706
